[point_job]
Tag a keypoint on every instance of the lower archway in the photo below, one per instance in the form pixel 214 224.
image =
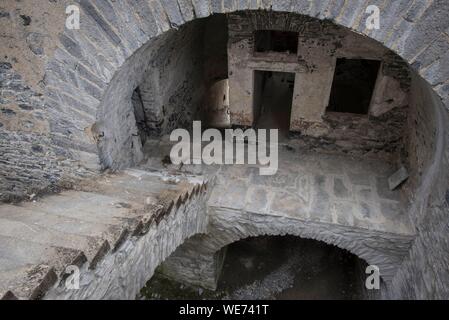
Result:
pixel 295 268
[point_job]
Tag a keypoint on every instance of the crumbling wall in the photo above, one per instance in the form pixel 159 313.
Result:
pixel 35 156
pixel 320 44
pixel 32 159
pixel 173 85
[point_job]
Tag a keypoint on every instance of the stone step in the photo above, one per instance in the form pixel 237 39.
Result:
pixel 86 206
pixel 17 253
pixel 136 186
pixel 92 247
pixel 28 269
pixel 139 187
pixel 100 236
pixel 28 282
pixel 120 218
pixel 39 239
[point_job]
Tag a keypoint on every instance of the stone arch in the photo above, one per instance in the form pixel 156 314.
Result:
pixel 197 261
pixel 113 34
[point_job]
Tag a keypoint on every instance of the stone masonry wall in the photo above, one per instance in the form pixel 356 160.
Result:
pixel 320 44
pixel 78 66
pixel 33 156
pixel 169 74
pixel 424 274
pixel 422 133
pixel 173 85
pixel 31 162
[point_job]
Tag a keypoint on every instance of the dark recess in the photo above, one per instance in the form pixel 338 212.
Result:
pixel 353 85
pixel 277 41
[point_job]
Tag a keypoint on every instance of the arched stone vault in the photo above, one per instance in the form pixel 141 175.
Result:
pixel 113 34
pixel 198 260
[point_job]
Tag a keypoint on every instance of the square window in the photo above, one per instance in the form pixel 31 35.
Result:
pixel 276 41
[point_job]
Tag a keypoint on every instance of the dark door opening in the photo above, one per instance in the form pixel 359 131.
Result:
pixel 353 85
pixel 273 98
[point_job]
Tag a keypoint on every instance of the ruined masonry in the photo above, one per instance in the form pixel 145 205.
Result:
pixel 85 118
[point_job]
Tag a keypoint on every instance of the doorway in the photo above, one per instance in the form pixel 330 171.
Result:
pixel 353 85
pixel 273 97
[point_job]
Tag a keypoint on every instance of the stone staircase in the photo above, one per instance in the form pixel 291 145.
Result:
pixel 39 239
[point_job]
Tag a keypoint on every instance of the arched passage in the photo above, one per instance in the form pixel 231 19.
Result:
pixel 276 267
pixel 198 261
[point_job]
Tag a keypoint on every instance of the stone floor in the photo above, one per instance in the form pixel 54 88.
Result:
pixel 326 188
pixel 323 187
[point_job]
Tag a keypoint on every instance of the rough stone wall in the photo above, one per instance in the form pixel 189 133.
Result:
pixel 424 274
pixel 320 44
pixel 32 160
pixel 29 35
pixel 377 137
pixel 31 163
pixel 169 74
pixel 173 85
pixel 423 126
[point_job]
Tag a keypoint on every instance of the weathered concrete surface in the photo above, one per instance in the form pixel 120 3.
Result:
pixel 117 234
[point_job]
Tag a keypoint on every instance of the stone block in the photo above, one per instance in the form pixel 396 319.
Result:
pixel 397 178
pixel 287 204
